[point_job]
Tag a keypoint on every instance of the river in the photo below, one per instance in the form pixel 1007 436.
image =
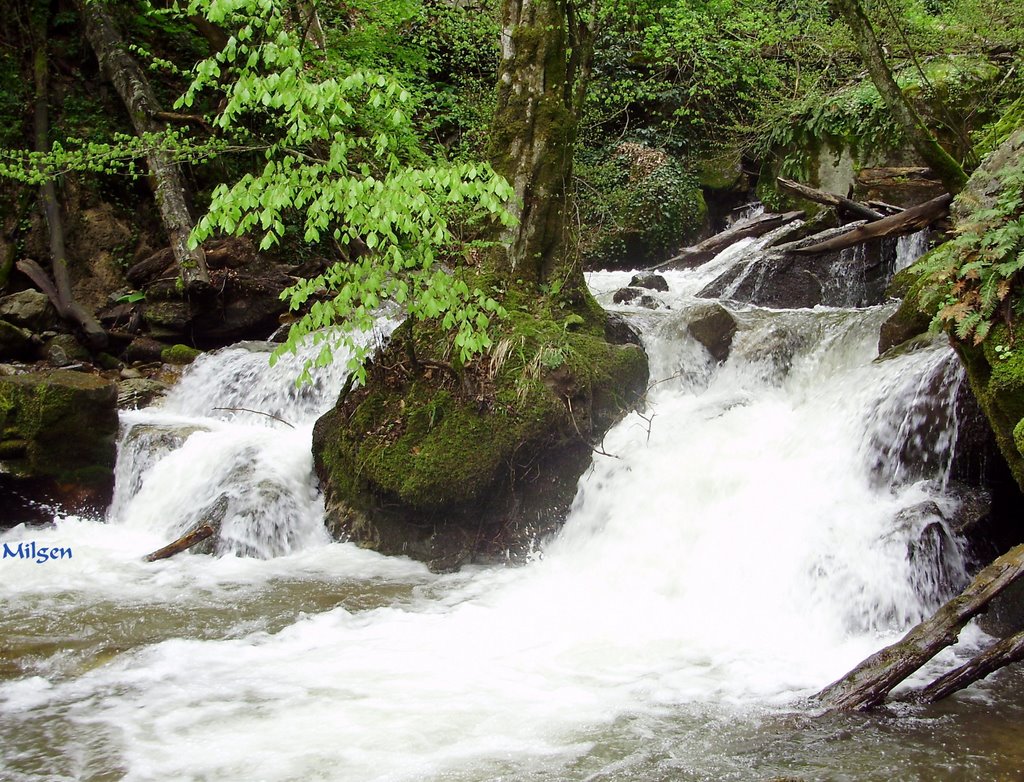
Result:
pixel 758 529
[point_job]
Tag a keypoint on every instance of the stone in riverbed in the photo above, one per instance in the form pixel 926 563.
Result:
pixel 57 436
pixel 654 282
pixel 714 328
pixel 29 309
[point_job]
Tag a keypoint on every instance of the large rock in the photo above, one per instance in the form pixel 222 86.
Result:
pixel 245 303
pixel 714 327
pixel 997 378
pixel 57 435
pixel 782 279
pixel 450 467
pixel 30 310
pixel 15 343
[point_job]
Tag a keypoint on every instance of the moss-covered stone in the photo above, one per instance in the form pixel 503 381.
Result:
pixel 998 384
pixel 179 355
pixel 909 321
pixel 447 463
pixel 61 426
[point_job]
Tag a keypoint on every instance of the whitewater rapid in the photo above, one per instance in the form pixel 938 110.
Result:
pixel 734 552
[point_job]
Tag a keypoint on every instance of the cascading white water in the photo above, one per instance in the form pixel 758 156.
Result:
pixel 232 439
pixel 736 551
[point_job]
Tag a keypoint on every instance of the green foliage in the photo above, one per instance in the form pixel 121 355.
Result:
pixel 456 87
pixel 341 157
pixel 635 203
pixel 975 278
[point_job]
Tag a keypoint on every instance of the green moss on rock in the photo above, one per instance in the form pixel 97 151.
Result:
pixel 910 320
pixel 446 463
pixel 998 384
pixel 61 426
pixel 179 355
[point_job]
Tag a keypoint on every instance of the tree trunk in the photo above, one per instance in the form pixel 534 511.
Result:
pixel 945 167
pixel 60 292
pixel 709 248
pixel 532 138
pixel 829 199
pixel 906 222
pixel 133 87
pixel 191 538
pixel 1003 653
pixel 867 685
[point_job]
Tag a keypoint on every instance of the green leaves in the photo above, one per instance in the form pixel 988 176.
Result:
pixel 341 159
pixel 974 279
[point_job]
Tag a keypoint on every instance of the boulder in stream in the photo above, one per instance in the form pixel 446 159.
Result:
pixel 714 327
pixel 453 466
pixel 782 279
pixel 57 436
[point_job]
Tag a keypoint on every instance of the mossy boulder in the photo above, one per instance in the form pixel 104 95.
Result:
pixel 998 384
pixel 995 369
pixel 450 464
pixel 910 320
pixel 57 435
pixel 179 355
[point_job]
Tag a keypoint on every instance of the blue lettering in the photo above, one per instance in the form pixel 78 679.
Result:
pixel 35 552
pixel 12 552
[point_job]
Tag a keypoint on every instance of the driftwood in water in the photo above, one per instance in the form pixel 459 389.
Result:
pixel 743 229
pixel 867 685
pixel 186 541
pixel 829 199
pixel 906 222
pixel 1003 653
pixel 197 533
pixel 59 291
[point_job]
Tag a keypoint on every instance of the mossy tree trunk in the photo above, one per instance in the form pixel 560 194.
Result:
pixel 134 89
pixel 941 162
pixel 545 58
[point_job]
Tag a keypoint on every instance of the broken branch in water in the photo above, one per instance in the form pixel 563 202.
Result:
pixel 255 412
pixel 186 541
pixel 867 685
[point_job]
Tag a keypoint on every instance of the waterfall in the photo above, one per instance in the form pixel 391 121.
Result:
pixel 232 440
pixel 758 528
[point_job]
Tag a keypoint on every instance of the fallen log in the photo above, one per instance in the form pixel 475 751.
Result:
pixel 999 655
pixel 906 222
pixel 868 684
pixel 743 229
pixel 186 541
pixel 829 199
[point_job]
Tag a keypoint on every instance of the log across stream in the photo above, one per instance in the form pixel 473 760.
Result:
pixel 757 531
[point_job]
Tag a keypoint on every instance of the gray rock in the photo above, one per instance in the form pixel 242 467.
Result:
pixel 714 329
pixel 29 309
pixel 625 295
pixel 133 393
pixel 15 343
pixel 64 350
pixel 654 282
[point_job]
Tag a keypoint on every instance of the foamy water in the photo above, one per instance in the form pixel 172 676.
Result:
pixel 736 552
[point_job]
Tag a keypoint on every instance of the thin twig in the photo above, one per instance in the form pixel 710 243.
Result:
pixel 256 412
